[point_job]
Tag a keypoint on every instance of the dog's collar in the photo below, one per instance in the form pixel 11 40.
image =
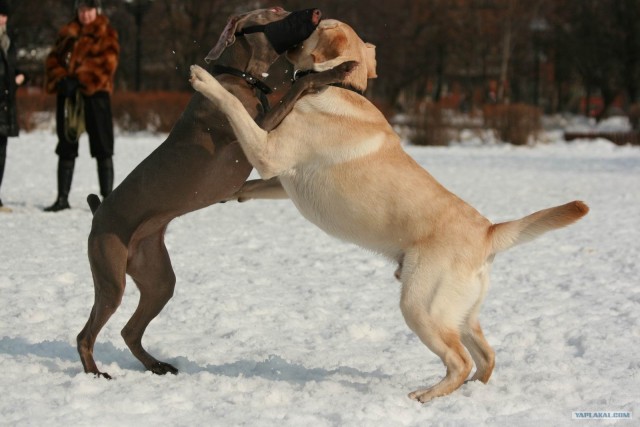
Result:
pixel 298 74
pixel 253 81
pixel 263 89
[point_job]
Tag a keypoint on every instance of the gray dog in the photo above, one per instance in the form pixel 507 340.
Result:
pixel 200 163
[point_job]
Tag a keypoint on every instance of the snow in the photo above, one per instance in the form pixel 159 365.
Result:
pixel 609 124
pixel 275 323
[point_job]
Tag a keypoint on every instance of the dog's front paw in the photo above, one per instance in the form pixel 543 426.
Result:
pixel 340 72
pixel 200 78
pixel 337 74
pixel 346 68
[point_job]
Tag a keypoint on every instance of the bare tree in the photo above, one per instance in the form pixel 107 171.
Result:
pixel 423 46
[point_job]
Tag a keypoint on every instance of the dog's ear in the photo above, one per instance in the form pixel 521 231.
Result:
pixel 370 60
pixel 227 38
pixel 331 44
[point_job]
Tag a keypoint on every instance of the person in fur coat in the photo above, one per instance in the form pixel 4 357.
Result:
pixel 80 71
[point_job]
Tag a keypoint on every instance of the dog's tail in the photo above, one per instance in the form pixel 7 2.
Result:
pixel 94 202
pixel 508 234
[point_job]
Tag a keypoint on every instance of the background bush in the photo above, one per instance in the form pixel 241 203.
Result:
pixel 514 123
pixel 430 127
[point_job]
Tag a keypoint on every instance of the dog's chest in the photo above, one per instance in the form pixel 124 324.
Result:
pixel 315 195
pixel 322 200
pixel 311 190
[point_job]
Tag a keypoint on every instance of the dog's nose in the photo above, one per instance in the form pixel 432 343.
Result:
pixel 316 16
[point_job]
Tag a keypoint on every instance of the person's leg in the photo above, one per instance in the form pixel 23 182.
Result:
pixel 67 152
pixel 3 157
pixel 65 176
pixel 99 125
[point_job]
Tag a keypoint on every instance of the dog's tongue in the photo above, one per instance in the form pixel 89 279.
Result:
pixel 292 30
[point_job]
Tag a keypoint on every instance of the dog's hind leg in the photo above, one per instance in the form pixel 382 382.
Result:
pixel 109 280
pixel 151 270
pixel 481 352
pixel 473 338
pixel 432 312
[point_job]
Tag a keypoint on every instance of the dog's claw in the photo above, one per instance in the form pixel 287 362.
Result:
pixel 161 368
pixel 103 375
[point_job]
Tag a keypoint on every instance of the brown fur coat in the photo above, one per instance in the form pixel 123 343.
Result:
pixel 88 53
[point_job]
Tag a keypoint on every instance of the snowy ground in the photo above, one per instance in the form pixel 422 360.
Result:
pixel 275 323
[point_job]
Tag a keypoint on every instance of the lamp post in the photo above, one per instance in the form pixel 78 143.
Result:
pixel 138 8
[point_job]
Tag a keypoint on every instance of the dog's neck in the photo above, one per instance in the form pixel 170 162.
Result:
pixel 298 74
pixel 262 90
pixel 249 78
pixel 243 62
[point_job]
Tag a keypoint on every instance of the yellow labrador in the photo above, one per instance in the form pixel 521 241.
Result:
pixel 344 168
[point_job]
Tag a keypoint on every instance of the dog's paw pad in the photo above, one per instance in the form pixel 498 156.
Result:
pixel 161 368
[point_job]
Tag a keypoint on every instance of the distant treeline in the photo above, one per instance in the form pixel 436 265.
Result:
pixel 561 55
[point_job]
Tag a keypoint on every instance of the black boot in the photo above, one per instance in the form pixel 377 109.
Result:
pixel 3 156
pixel 105 176
pixel 65 175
